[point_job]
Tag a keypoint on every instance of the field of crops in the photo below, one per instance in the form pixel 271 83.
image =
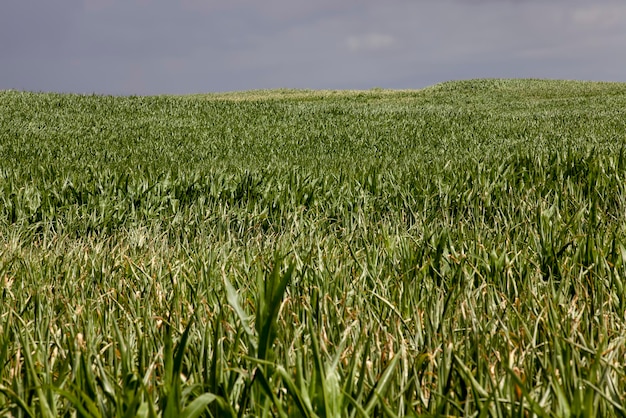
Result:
pixel 457 250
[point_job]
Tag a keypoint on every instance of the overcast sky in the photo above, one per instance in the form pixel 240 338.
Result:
pixel 194 46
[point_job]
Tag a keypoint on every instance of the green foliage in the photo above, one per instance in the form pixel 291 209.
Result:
pixel 457 250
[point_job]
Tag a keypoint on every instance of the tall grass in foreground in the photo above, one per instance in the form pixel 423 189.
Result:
pixel 460 252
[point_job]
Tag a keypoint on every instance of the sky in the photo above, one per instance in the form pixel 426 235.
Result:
pixel 146 47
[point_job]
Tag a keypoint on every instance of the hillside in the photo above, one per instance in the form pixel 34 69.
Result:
pixel 454 250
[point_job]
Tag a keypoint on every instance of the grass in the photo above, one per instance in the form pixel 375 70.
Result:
pixel 457 250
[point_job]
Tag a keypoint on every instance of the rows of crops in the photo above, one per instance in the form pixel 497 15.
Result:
pixel 457 250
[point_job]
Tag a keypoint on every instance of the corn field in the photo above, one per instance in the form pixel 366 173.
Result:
pixel 458 250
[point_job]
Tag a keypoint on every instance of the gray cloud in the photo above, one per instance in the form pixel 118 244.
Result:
pixel 186 46
pixel 370 42
pixel 31 27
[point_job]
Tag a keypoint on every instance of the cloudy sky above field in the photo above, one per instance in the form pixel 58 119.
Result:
pixel 192 46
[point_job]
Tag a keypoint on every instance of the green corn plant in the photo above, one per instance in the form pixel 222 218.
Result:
pixel 271 292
